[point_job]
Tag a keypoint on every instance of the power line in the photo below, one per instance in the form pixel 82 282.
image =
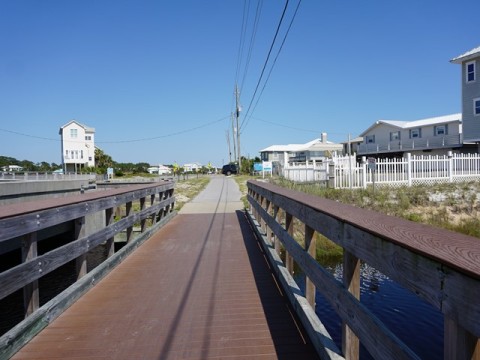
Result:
pixel 266 60
pixel 252 42
pixel 128 140
pixel 245 122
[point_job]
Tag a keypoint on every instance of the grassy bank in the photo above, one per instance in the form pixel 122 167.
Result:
pixel 450 206
pixel 187 189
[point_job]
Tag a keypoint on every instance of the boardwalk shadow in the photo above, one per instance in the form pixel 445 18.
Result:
pixel 287 333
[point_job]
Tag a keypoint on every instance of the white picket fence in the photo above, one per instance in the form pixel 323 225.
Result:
pixel 311 171
pixel 345 172
pixel 409 171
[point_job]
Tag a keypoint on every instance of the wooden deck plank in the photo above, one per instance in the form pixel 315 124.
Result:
pixel 199 288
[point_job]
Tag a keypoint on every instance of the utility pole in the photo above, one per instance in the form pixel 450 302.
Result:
pixel 234 141
pixel 227 135
pixel 237 113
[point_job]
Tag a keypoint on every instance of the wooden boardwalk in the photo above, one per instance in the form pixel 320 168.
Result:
pixel 200 288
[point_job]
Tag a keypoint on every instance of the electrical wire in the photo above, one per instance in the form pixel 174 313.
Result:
pixel 252 42
pixel 128 140
pixel 266 61
pixel 245 122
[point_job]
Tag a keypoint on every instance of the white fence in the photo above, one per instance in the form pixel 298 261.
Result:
pixel 345 172
pixel 37 176
pixel 408 171
pixel 311 171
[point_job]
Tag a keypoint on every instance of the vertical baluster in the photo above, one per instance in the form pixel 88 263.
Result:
pixel 310 248
pixel 109 219
pixel 351 280
pixel 128 212
pixel 30 291
pixel 81 261
pixel 289 227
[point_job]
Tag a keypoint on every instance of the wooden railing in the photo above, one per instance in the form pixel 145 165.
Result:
pixel 23 221
pixel 439 266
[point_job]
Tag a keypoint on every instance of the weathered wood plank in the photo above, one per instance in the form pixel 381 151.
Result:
pixel 440 266
pixel 374 335
pixel 31 297
pixel 15 223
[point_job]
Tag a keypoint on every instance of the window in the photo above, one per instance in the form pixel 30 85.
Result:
pixel 370 139
pixel 441 130
pixel 470 71
pixel 88 137
pixel 66 154
pixel 73 133
pixel 476 106
pixel 415 133
pixel 395 135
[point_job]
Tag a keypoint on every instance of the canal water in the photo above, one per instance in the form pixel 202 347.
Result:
pixel 418 324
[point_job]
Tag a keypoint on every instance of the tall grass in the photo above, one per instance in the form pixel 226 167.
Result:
pixel 452 206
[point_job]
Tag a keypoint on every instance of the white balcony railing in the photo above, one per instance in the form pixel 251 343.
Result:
pixel 430 143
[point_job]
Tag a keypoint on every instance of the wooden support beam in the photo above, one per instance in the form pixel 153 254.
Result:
pixel 128 212
pixel 110 243
pixel 81 261
pixel 143 222
pixel 459 344
pixel 30 292
pixel 311 249
pixel 289 227
pixel 351 280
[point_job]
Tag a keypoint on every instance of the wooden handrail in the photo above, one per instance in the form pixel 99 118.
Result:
pixel 440 266
pixel 26 219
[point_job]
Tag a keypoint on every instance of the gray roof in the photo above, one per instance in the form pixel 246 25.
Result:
pixel 87 128
pixel 417 123
pixel 466 56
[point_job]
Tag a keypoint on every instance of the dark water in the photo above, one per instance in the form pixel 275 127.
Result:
pixel 418 324
pixel 50 285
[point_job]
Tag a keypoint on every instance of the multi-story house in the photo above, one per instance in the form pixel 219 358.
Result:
pixel 78 146
pixel 470 62
pixel 394 138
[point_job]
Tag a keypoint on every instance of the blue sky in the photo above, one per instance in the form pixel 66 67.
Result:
pixel 156 78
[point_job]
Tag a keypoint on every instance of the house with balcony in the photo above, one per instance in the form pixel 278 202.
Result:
pixel 470 79
pixel 78 146
pixel 394 138
pixel 318 150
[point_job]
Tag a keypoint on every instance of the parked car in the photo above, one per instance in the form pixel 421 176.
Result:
pixel 229 169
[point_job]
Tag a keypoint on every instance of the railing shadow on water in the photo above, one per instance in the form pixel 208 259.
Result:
pixel 437 266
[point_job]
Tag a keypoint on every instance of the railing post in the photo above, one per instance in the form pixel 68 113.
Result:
pixel 289 228
pixel 152 201
pixel 128 212
pixel 261 222
pixel 459 344
pixel 81 261
pixel 364 171
pixel 351 280
pixel 30 292
pixel 450 166
pixel 109 219
pixel 276 241
pixel 143 222
pixel 409 169
pixel 311 249
pixel 267 230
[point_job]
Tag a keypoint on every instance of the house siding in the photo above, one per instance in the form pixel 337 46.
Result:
pixel 80 151
pixel 470 91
